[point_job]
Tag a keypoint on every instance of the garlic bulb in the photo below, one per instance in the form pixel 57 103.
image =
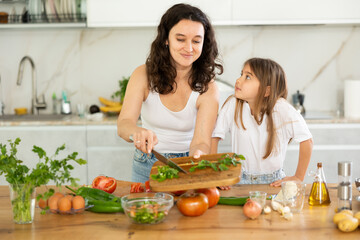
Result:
pixel 267 210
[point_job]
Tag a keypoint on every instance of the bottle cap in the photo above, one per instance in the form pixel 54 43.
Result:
pixel 344 168
pixel 344 192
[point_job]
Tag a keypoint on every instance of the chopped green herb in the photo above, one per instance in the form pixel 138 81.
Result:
pixel 147 212
pixel 222 164
pixel 165 172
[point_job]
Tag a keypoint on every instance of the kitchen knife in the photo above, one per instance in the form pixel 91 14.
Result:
pixel 167 161
pixel 164 160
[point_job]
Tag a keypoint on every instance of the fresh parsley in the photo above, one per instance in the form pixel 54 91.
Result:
pixel 222 164
pixel 165 172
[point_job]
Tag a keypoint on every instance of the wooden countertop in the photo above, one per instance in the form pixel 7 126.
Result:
pixel 220 222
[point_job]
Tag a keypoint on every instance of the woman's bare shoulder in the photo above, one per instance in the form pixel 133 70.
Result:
pixel 211 95
pixel 139 73
pixel 212 91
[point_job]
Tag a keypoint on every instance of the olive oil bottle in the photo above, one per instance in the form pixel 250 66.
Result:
pixel 319 194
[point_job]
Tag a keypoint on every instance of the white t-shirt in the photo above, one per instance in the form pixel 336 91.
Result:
pixel 252 142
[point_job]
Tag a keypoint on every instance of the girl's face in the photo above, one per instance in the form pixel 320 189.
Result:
pixel 185 42
pixel 247 86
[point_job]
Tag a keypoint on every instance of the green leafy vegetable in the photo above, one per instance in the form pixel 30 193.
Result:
pixel 121 92
pixel 165 172
pixel 222 164
pixel 147 212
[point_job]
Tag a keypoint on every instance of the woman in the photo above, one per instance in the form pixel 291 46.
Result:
pixel 175 92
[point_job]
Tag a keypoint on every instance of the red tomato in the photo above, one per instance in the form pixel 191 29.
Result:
pixel 136 188
pixel 212 194
pixel 107 184
pixel 147 186
pixel 192 204
pixel 178 193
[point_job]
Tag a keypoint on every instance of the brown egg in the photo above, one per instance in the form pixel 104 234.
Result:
pixel 43 203
pixel 64 205
pixel 70 197
pixel 78 202
pixel 53 203
pixel 58 194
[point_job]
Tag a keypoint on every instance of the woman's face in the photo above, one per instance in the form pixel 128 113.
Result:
pixel 247 86
pixel 185 42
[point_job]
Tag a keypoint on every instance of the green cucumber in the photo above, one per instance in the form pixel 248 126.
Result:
pixel 234 201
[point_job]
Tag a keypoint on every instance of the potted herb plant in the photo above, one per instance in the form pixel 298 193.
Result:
pixel 122 89
pixel 23 181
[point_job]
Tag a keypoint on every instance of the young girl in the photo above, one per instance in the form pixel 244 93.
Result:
pixel 262 123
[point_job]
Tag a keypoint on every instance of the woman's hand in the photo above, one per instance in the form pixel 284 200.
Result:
pixel 278 182
pixel 224 188
pixel 144 139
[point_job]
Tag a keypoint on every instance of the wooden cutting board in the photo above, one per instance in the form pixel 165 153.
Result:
pixel 200 178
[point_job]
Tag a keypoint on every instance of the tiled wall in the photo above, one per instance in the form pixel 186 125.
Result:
pixel 89 62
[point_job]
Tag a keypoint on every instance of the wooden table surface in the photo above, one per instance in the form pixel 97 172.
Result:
pixel 220 222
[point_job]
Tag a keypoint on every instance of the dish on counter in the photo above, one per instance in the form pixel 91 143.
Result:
pixel 36 9
pixel 50 9
pixel 72 9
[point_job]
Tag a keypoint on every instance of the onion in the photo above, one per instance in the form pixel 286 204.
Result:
pixel 252 209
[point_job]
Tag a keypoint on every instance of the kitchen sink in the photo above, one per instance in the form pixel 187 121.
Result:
pixel 28 117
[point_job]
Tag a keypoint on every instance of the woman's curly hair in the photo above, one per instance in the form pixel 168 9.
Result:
pixel 160 71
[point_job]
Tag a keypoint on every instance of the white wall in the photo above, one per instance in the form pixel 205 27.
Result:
pixel 89 62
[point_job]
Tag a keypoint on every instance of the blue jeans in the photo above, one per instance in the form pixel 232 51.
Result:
pixel 247 178
pixel 143 163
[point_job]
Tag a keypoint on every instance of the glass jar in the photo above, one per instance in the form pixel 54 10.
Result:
pixel 22 198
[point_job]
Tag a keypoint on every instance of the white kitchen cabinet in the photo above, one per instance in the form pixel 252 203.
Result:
pixel 332 143
pixel 263 12
pixel 139 13
pixel 48 138
pixel 108 154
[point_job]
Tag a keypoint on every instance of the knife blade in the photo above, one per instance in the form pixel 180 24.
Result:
pixel 168 162
pixel 163 159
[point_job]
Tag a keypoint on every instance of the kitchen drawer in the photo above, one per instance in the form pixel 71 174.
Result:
pixel 104 136
pixel 48 138
pixel 334 134
pixel 328 157
pixel 115 162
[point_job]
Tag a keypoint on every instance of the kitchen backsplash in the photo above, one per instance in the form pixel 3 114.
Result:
pixel 88 63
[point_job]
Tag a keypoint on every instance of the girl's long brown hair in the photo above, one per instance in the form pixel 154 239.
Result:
pixel 270 74
pixel 161 73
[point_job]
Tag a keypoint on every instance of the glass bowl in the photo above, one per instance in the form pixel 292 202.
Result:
pixel 147 208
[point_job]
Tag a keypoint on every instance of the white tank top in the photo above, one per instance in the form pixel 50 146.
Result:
pixel 174 130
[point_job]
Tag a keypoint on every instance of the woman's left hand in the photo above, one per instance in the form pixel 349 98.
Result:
pixel 278 182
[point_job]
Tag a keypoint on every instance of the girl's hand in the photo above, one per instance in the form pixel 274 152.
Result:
pixel 278 182
pixel 198 153
pixel 144 140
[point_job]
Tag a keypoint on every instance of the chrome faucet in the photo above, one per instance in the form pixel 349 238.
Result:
pixel 35 104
